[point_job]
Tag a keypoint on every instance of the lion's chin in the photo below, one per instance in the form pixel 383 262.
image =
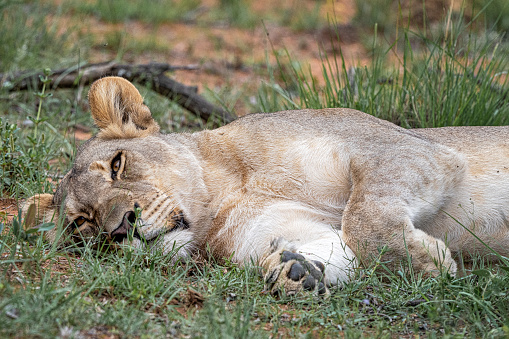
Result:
pixel 141 241
pixel 178 244
pixel 134 243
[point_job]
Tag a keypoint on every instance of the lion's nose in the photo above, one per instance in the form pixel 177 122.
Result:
pixel 125 227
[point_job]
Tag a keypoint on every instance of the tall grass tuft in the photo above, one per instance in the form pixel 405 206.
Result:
pixel 456 78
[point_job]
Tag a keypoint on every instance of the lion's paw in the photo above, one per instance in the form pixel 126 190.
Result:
pixel 289 273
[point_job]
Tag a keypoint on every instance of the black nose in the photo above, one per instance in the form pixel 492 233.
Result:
pixel 125 227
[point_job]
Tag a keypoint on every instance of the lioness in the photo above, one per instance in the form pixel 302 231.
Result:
pixel 307 194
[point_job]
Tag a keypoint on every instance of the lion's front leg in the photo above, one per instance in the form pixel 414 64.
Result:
pixel 314 262
pixel 294 266
pixel 299 248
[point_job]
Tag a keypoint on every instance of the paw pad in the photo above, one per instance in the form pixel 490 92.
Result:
pixel 296 272
pixel 292 272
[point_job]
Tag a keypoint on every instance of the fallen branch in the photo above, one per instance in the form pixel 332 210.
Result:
pixel 151 75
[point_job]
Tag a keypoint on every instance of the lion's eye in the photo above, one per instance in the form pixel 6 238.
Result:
pixel 116 166
pixel 79 221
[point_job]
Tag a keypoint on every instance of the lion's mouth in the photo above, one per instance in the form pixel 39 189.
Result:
pixel 130 227
pixel 126 228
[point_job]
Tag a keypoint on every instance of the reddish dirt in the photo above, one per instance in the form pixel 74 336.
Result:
pixel 82 135
pixel 8 209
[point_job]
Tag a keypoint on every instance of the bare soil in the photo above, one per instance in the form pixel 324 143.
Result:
pixel 8 209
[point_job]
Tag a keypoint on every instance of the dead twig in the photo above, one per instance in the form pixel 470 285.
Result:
pixel 150 75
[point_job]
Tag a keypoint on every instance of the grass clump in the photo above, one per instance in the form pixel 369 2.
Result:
pixel 452 80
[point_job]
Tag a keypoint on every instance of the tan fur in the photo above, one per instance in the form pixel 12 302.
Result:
pixel 325 181
pixel 39 209
pixel 118 110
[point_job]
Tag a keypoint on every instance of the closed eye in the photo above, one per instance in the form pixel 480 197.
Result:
pixel 79 221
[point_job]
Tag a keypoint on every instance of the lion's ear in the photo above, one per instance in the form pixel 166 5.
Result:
pixel 118 110
pixel 38 210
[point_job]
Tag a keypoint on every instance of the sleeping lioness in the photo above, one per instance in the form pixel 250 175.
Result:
pixel 308 195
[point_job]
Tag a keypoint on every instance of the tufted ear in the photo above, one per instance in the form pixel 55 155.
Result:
pixel 39 209
pixel 118 110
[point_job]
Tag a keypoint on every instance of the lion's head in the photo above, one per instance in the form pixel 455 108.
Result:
pixel 127 180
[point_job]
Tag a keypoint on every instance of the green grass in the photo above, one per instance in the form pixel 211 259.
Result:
pixel 119 43
pixel 453 79
pixel 29 41
pixel 141 294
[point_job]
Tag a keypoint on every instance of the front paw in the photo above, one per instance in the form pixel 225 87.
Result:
pixel 289 273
